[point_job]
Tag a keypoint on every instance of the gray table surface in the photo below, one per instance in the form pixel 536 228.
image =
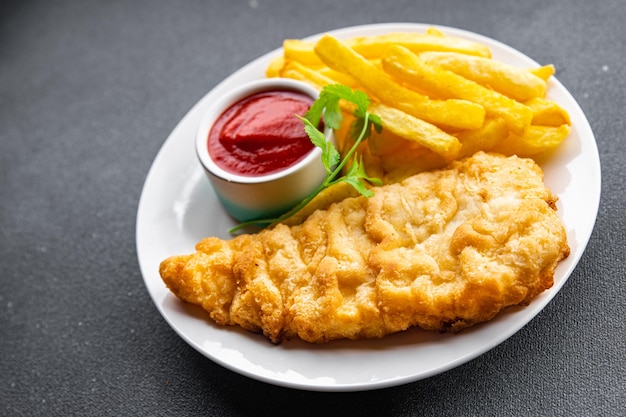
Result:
pixel 90 90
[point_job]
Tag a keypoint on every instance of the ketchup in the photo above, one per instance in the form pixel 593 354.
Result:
pixel 260 134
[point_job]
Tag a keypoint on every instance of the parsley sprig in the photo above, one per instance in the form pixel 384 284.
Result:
pixel 327 106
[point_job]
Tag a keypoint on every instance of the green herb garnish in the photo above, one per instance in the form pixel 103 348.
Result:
pixel 327 106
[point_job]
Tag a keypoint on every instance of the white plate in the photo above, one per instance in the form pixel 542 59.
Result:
pixel 178 208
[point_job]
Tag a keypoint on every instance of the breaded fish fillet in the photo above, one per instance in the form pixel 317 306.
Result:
pixel 442 250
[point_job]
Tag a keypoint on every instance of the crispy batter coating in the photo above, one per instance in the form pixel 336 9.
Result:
pixel 442 250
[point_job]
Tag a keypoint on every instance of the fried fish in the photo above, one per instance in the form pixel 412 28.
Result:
pixel 442 250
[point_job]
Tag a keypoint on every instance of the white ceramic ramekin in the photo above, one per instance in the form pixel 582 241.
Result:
pixel 265 196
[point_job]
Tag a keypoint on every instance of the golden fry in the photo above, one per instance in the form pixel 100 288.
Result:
pixel 433 31
pixel 338 77
pixel 417 130
pixel 373 47
pixel 517 83
pixel 449 113
pixel 388 143
pixel 400 158
pixel 301 51
pixel 548 113
pixel 485 138
pixel 535 140
pixel 274 67
pixel 544 72
pixel 409 68
pixel 295 70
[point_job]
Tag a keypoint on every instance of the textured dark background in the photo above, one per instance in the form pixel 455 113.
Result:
pixel 89 91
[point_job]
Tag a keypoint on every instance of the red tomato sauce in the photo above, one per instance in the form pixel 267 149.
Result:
pixel 260 134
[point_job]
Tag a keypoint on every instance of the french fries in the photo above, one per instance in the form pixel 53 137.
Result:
pixel 544 72
pixel 302 52
pixel 417 130
pixel 410 69
pixel 373 47
pixel 547 112
pixel 393 119
pixel 493 132
pixel 439 97
pixel 535 140
pixel 451 113
pixel 517 83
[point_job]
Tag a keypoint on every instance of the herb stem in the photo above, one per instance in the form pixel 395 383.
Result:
pixel 351 151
